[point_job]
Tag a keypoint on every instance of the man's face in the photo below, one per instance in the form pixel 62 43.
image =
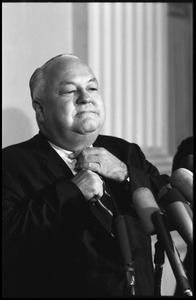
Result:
pixel 72 102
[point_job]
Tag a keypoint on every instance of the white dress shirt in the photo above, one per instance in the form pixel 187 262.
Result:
pixel 64 155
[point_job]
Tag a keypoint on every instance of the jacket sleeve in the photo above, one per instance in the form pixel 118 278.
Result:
pixel 144 174
pixel 30 217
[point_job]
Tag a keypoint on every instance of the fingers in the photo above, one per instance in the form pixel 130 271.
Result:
pixel 93 166
pixel 100 161
pixel 89 159
pixel 94 199
pixel 74 154
pixel 88 151
pixel 90 184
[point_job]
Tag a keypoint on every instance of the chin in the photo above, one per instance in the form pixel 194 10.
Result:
pixel 89 130
pixel 89 127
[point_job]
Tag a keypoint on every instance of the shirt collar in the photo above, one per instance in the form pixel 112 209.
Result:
pixel 59 149
pixel 63 153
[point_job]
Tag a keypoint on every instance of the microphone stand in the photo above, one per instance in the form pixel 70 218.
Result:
pixel 123 238
pixel 159 259
pixel 173 256
pixel 126 254
pixel 122 234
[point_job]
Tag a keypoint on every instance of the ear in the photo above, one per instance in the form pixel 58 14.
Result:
pixel 38 107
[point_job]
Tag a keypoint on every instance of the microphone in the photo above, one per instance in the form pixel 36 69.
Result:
pixel 182 179
pixel 154 222
pixel 176 207
pixel 186 162
pixel 145 205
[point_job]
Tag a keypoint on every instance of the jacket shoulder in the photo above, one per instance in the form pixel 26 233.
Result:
pixel 18 152
pixel 113 141
pixel 22 145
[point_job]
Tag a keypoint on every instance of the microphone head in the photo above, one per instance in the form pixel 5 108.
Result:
pixel 178 213
pixel 163 191
pixel 167 196
pixel 182 179
pixel 187 163
pixel 145 205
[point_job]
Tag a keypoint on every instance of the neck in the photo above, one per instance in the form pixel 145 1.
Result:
pixel 73 141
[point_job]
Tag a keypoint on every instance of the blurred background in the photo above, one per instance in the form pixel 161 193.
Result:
pixel 141 54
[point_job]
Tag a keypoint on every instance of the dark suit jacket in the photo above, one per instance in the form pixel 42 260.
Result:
pixel 53 244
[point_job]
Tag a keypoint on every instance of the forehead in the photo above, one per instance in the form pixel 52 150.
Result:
pixel 67 69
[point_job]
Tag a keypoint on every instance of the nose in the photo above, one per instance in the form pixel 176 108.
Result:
pixel 84 97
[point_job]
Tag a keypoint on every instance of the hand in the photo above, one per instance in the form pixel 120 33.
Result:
pixel 90 184
pixel 101 161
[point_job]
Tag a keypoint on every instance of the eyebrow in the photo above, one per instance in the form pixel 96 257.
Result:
pixel 71 82
pixel 93 80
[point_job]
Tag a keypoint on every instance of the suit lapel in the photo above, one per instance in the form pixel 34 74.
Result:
pixel 51 161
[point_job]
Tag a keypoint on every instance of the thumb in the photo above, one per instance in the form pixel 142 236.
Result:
pixel 74 154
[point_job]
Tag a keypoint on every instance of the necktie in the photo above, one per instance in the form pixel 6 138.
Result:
pixel 103 209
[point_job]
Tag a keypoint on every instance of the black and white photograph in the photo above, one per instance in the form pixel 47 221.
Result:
pixel 97 150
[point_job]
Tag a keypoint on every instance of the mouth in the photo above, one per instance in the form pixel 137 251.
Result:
pixel 86 112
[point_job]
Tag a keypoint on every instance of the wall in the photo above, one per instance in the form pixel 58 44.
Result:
pixel 180 75
pixel 146 95
pixel 128 49
pixel 32 34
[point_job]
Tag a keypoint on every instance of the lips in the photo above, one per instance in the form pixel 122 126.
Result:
pixel 85 112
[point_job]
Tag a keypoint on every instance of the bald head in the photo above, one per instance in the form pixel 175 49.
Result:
pixel 39 77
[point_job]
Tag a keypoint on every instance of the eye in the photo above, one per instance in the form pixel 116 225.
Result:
pixel 67 92
pixel 92 88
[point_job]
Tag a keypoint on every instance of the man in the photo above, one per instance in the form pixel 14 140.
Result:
pixel 62 190
pixel 183 158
